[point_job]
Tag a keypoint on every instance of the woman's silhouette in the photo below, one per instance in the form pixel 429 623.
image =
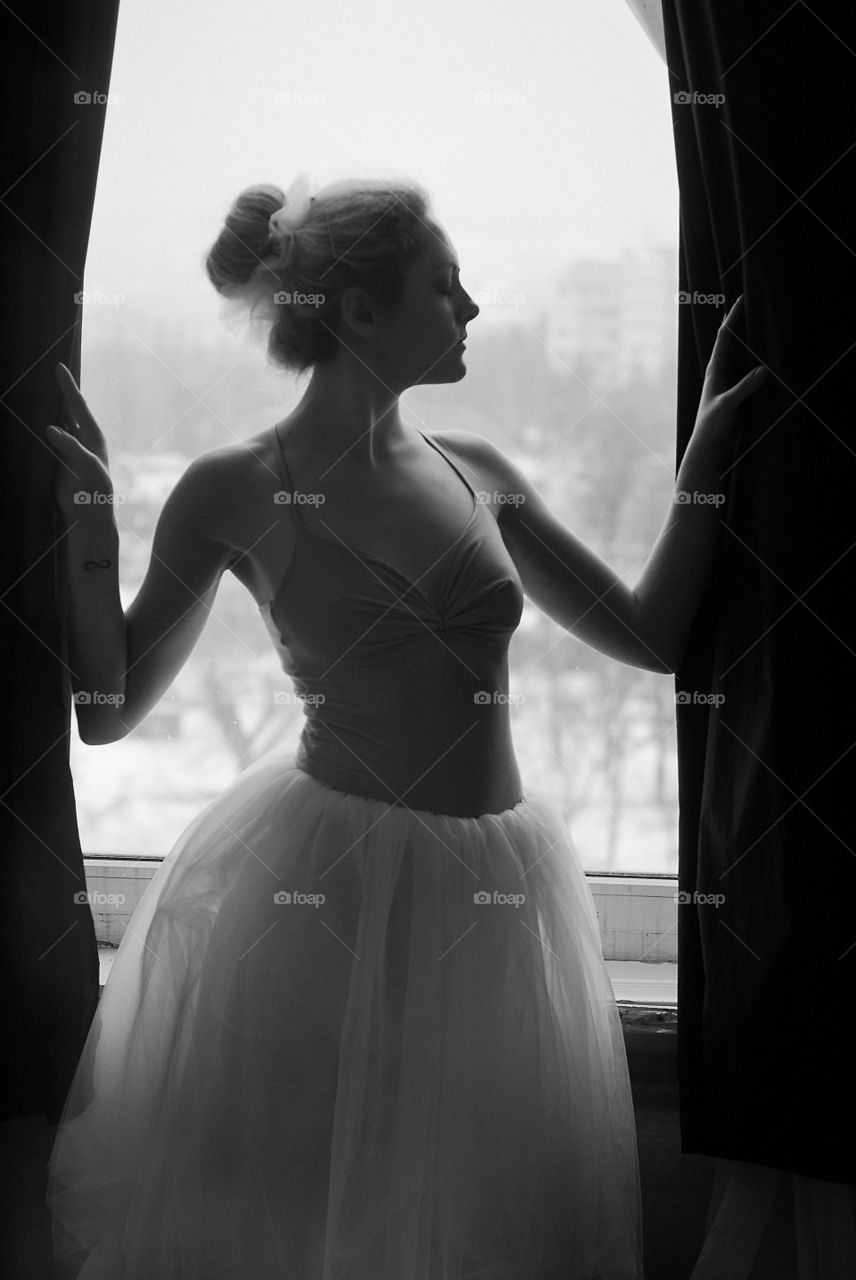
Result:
pixel 360 1026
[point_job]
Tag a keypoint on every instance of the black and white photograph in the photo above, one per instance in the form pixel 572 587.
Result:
pixel 429 509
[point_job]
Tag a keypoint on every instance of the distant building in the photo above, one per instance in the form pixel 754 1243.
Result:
pixel 609 315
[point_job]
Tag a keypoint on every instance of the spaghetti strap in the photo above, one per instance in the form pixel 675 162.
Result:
pixel 288 483
pixel 285 475
pixel 436 445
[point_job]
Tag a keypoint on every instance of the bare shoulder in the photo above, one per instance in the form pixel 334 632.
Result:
pixel 222 488
pixel 483 456
pixel 502 479
pixel 244 461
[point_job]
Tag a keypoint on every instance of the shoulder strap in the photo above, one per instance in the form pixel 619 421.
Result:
pixel 451 461
pixel 285 474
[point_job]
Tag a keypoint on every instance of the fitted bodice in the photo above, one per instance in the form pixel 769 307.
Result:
pixel 404 683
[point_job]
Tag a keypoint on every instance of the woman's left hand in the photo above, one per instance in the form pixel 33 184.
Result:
pixel 717 410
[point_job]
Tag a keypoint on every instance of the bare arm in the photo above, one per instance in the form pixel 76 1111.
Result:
pixel 648 625
pixel 122 664
pixel 96 623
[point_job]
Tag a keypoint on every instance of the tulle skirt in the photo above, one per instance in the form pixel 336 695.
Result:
pixel 344 1040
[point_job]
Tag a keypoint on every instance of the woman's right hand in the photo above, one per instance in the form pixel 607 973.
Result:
pixel 83 484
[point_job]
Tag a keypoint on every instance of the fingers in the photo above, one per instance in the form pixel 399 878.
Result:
pixel 733 315
pixel 736 311
pixel 715 376
pixel 74 400
pixel 729 323
pixel 716 389
pixel 747 385
pixel 65 441
pixel 60 435
pixel 70 392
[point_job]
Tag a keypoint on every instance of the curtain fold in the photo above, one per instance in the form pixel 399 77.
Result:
pixel 650 15
pixel 765 138
pixel 57 73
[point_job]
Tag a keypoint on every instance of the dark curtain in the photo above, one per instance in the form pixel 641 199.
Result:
pixel 768 194
pixel 56 73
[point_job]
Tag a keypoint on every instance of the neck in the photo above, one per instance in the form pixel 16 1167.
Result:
pixel 346 409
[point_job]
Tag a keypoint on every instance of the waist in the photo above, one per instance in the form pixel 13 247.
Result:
pixel 465 774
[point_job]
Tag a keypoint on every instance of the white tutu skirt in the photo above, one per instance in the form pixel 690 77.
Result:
pixel 343 1040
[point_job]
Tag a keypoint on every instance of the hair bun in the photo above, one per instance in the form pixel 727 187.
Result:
pixel 363 231
pixel 245 239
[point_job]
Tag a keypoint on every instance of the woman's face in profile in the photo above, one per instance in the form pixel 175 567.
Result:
pixel 419 338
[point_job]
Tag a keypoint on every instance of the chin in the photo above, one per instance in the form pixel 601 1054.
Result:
pixel 451 370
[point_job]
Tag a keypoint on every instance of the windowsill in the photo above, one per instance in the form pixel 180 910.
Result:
pixel 637 917
pixel 636 984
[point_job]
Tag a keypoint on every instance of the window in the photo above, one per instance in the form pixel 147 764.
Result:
pixel 547 148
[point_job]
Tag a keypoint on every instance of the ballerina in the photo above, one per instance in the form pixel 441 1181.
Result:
pixel 360 1025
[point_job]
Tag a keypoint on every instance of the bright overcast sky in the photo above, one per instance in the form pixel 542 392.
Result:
pixel 542 129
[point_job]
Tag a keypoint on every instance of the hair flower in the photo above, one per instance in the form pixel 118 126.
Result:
pixel 285 221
